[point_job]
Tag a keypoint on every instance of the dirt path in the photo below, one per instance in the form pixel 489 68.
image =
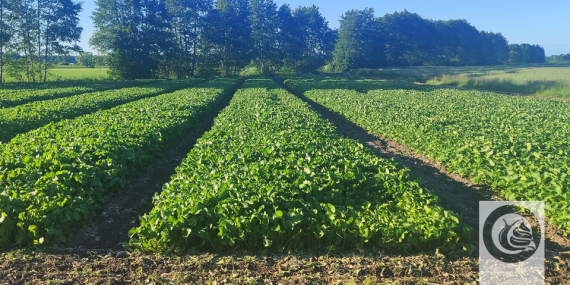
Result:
pixel 122 212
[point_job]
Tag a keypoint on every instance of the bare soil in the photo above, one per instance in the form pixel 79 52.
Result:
pixel 96 255
pixel 90 267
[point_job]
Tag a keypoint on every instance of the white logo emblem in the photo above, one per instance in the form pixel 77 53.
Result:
pixel 512 234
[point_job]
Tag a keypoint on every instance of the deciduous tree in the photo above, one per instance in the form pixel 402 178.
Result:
pixel 6 31
pixel 187 21
pixel 357 42
pixel 228 44
pixel 41 30
pixel 264 28
pixel 135 33
pixel 86 59
pixel 317 39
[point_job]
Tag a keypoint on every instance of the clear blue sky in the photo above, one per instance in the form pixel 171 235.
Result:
pixel 546 23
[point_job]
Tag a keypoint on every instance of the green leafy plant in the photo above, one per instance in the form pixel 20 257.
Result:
pixel 271 174
pixel 54 178
pixel 23 118
pixel 517 145
pixel 14 94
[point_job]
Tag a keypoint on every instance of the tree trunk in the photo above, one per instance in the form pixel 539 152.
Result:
pixel 194 49
pixel 1 41
pixel 45 58
pixel 46 49
pixel 180 39
pixel 31 66
pixel 39 45
pixel 185 44
pixel 28 56
pixel 193 59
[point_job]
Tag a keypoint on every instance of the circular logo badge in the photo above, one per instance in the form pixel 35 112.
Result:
pixel 511 237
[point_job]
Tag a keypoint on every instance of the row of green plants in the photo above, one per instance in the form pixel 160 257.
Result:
pixel 273 175
pixel 23 118
pixel 517 145
pixel 54 178
pixel 30 92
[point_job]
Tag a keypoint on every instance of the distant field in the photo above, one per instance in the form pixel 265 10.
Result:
pixel 73 73
pixel 99 73
pixel 538 80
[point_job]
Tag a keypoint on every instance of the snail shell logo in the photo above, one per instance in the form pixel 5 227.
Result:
pixel 509 236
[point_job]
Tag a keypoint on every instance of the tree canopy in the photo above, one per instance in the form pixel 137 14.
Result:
pixel 37 30
pixel 406 39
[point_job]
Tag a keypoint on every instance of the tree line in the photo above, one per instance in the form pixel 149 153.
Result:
pixel 179 38
pixel 90 60
pixel 525 53
pixel 559 59
pixel 406 39
pixel 204 38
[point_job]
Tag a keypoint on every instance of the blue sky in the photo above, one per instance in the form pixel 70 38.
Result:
pixel 546 23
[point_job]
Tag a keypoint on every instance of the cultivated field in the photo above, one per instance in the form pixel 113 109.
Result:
pixel 14 94
pixel 516 145
pixel 543 81
pixel 305 179
pixel 281 178
pixel 23 118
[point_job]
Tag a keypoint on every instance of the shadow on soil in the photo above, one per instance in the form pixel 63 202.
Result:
pixel 455 193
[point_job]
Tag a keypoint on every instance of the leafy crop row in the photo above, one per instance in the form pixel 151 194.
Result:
pixel 23 118
pixel 272 174
pixel 55 177
pixel 517 145
pixel 14 97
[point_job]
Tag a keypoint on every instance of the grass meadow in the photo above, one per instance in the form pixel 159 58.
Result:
pixel 98 73
pixel 71 73
pixel 543 81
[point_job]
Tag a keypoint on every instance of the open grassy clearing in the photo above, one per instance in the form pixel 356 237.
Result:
pixel 543 81
pixel 72 74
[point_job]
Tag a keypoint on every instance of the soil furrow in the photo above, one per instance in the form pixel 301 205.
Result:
pixel 455 193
